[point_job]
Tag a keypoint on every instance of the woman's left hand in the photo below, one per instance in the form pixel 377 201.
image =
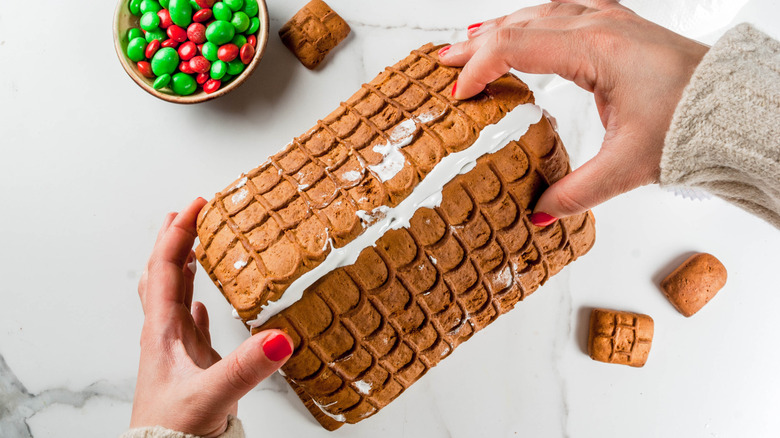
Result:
pixel 183 384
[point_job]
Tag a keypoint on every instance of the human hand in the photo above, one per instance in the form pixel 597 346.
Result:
pixel 636 70
pixel 183 384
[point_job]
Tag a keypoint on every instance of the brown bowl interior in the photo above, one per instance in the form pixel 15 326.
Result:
pixel 124 21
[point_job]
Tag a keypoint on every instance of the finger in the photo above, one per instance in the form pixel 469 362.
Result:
pixel 165 284
pixel 594 4
pixel 142 289
pixel 142 282
pixel 166 224
pixel 188 272
pixel 614 170
pixel 176 242
pixel 201 317
pixel 528 14
pixel 528 50
pixel 253 361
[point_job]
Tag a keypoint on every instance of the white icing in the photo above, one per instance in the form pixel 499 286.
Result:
pixel 427 193
pixel 239 264
pixel 240 183
pixel 362 387
pixel 433 259
pixel 504 277
pixel 234 312
pixel 392 159
pixel 340 417
pixel 239 196
pixel 351 176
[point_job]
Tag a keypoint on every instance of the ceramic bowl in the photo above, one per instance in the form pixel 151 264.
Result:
pixel 124 20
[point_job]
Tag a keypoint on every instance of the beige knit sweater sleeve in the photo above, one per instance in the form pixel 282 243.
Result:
pixel 725 134
pixel 234 430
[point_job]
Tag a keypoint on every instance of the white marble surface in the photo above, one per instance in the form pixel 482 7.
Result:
pixel 90 164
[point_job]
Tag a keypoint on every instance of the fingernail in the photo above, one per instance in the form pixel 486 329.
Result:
pixel 454 87
pixel 443 50
pixel 473 27
pixel 277 348
pixel 193 266
pixel 541 219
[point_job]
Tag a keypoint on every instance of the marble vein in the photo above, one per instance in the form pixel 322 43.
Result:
pixel 17 404
pixel 562 335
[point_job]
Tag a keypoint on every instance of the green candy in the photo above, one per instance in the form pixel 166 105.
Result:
pixel 165 61
pixel 156 34
pixel 150 6
pixel 240 21
pixel 134 33
pixel 254 26
pixel 165 3
pixel 218 69
pixel 219 32
pixel 183 84
pixel 235 5
pixel 238 40
pixel 136 49
pixel 251 8
pixel 227 78
pixel 222 12
pixel 135 7
pixel 235 67
pixel 210 51
pixel 161 81
pixel 149 21
pixel 195 5
pixel 181 12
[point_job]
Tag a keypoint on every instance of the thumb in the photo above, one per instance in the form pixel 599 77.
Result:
pixel 251 363
pixel 614 170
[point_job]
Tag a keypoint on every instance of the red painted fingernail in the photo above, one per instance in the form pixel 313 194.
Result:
pixel 444 50
pixel 277 348
pixel 541 219
pixel 454 87
pixel 474 27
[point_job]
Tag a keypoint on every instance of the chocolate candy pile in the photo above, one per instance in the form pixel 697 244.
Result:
pixel 186 43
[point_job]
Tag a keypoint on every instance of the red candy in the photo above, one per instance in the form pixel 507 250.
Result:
pixel 185 67
pixel 165 18
pixel 202 16
pixel 199 64
pixel 202 78
pixel 211 86
pixel 227 52
pixel 205 4
pixel 251 39
pixel 247 53
pixel 200 49
pixel 196 32
pixel 187 51
pixel 169 43
pixel 152 48
pixel 145 68
pixel 177 34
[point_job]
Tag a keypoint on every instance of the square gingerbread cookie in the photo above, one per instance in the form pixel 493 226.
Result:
pixel 620 337
pixel 313 32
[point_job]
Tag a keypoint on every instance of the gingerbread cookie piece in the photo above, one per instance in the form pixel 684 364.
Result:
pixel 694 283
pixel 620 337
pixel 281 219
pixel 313 32
pixel 366 332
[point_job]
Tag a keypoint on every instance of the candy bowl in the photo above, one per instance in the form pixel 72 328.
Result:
pixel 190 51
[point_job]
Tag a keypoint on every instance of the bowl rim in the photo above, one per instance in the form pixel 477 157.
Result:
pixel 129 66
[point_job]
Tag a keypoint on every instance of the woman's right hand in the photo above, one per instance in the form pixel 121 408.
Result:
pixel 636 69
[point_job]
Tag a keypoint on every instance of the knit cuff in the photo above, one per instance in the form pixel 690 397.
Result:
pixel 725 133
pixel 234 430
